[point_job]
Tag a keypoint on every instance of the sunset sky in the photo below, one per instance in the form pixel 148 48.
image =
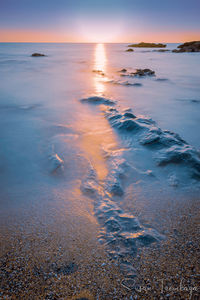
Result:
pixel 99 20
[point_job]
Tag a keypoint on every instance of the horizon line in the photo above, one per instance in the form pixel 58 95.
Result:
pixel 24 42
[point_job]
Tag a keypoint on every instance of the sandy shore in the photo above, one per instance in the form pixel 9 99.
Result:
pixel 40 261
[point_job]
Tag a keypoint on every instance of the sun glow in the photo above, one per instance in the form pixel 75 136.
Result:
pixel 100 62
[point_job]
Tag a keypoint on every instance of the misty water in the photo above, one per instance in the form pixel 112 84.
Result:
pixel 64 159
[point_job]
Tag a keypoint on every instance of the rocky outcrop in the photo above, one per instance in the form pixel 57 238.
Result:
pixel 138 73
pixel 188 47
pixel 144 72
pixel 129 50
pixel 98 100
pixel 147 45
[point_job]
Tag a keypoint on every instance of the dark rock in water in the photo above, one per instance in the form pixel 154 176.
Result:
pixel 115 117
pixel 190 100
pixel 161 50
pixel 195 101
pixel 129 115
pixel 124 83
pixel 188 47
pixel 147 45
pixel 98 72
pixel 129 50
pixel 127 125
pixel 37 55
pixel 162 79
pixel 98 100
pixel 125 122
pixel 123 70
pixel 144 72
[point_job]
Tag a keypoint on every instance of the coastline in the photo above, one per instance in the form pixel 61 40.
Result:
pixel 81 185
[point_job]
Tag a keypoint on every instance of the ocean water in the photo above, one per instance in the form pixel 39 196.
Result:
pixel 58 153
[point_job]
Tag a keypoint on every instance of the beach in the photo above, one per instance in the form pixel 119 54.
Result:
pixel 99 172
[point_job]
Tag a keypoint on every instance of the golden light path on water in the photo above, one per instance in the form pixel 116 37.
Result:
pixel 96 132
pixel 100 62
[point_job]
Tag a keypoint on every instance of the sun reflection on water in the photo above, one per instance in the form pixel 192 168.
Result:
pixel 99 68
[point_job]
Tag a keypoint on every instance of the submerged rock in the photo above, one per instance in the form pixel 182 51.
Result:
pixel 144 72
pixel 98 72
pixel 37 55
pixel 162 50
pixel 184 154
pixel 148 45
pixel 138 73
pixel 162 79
pixel 161 138
pixel 129 115
pixel 124 83
pixel 174 149
pixel 128 125
pixel 98 100
pixel 124 121
pixel 188 47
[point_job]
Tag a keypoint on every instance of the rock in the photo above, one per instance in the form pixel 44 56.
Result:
pixel 188 47
pixel 147 45
pixel 124 83
pixel 129 50
pixel 143 72
pixel 162 138
pixel 126 124
pixel 129 115
pixel 161 50
pixel 98 100
pixel 123 70
pixel 183 154
pixel 37 55
pixel 162 79
pixel 98 72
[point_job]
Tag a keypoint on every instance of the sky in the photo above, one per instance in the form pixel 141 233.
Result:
pixel 99 20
